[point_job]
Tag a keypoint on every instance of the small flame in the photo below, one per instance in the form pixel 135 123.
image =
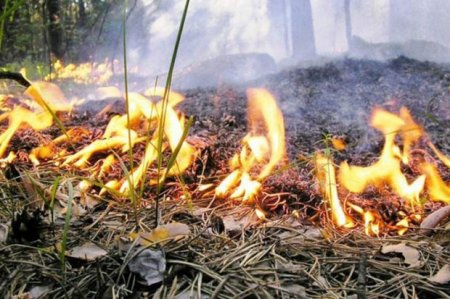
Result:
pixel 387 170
pixel 441 156
pixel 371 221
pixel 338 144
pixel 84 73
pixel 19 117
pixel 264 143
pixel 327 182
pixel 403 226
pixel 46 96
pixel 436 187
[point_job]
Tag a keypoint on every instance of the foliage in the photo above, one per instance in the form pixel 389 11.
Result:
pixel 25 34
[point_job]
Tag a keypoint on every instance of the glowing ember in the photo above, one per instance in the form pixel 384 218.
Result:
pixel 264 146
pixel 327 183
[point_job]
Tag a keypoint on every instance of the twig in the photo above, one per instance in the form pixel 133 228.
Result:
pixel 361 283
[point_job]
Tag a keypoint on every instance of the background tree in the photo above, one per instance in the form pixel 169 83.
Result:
pixel 303 41
pixel 55 30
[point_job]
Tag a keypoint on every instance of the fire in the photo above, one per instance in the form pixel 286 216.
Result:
pixel 371 220
pixel 441 156
pixel 437 189
pixel 47 96
pixel 262 148
pixel 327 182
pixel 387 170
pixel 143 117
pixel 85 73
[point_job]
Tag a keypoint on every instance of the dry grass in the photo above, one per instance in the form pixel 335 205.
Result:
pixel 281 259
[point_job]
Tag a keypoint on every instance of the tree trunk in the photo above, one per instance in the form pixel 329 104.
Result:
pixel 348 24
pixel 55 32
pixel 303 41
pixel 81 12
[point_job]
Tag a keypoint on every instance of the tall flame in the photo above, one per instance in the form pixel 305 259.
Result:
pixel 387 170
pixel 327 183
pixel 436 187
pixel 263 146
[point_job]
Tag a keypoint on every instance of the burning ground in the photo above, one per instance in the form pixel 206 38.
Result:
pixel 241 215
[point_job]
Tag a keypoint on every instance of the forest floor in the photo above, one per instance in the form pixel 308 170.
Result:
pixel 221 249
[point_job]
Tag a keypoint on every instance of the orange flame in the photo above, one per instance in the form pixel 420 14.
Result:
pixel 263 146
pixel 436 187
pixel 371 221
pixel 327 182
pixel 86 73
pixel 143 114
pixel 387 170
pixel 46 96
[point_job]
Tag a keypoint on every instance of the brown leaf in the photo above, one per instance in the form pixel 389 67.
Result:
pixel 442 276
pixel 88 252
pixel 411 255
pixel 162 233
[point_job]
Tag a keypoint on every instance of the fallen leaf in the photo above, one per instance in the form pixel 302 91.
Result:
pixel 442 276
pixel 88 252
pixel 40 291
pixel 411 255
pixel 174 230
pixel 3 232
pixel 293 289
pixel 231 225
pixel 150 265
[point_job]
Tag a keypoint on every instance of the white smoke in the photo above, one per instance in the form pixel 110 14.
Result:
pixel 381 29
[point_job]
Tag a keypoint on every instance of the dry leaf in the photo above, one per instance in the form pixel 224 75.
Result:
pixel 411 255
pixel 3 232
pixel 295 290
pixel 442 276
pixel 231 225
pixel 88 252
pixel 162 233
pixel 40 291
pixel 150 265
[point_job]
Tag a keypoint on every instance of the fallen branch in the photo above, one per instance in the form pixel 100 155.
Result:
pixel 18 77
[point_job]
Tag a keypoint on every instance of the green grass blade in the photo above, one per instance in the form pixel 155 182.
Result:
pixel 53 191
pixel 165 103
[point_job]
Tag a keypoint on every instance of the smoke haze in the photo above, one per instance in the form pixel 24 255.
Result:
pixel 284 32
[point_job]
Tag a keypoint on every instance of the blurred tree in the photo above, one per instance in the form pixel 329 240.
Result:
pixel 33 30
pixel 302 29
pixel 55 30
